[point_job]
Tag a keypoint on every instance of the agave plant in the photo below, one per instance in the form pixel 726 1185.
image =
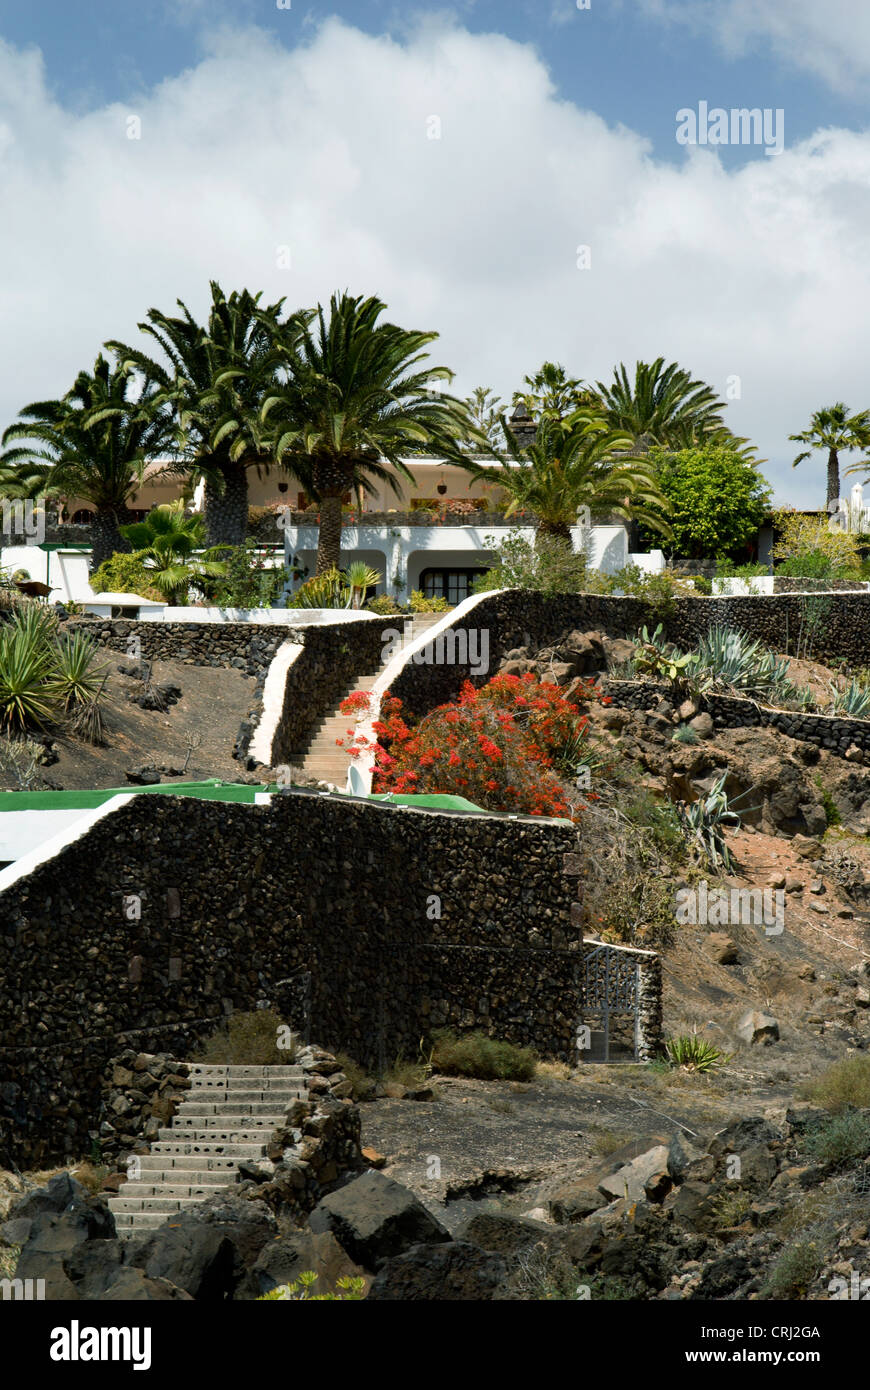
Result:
pixel 694 1054
pixel 727 659
pixel 327 590
pixel 853 701
pixel 703 823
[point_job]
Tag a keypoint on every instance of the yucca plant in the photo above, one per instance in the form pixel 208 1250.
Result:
pixel 87 720
pixel 358 577
pixel 691 1053
pixel 26 670
pixel 854 701
pixel 75 679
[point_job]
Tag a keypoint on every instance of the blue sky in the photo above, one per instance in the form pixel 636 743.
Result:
pixel 305 128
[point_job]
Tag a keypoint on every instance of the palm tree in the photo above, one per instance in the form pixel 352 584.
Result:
pixel 355 399
pixel 837 431
pixel 92 444
pixel 578 463
pixel 165 542
pixel 551 394
pixel 662 406
pixel 215 384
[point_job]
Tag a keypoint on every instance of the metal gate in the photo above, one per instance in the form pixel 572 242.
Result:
pixel 609 990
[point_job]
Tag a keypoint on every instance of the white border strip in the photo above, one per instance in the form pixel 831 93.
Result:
pixel 50 848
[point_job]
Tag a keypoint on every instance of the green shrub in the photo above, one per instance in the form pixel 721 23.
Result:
pixel 247 582
pixel 845 1083
pixel 349 1290
pixel 793 1272
pixel 421 604
pixel 385 605
pixel 124 574
pixel 832 814
pixel 549 566
pixel 247 1039
pixel 685 734
pixel 839 1140
pixel 474 1054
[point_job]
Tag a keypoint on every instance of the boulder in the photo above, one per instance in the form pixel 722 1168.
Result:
pixel 702 724
pixel 504 1233
pixel 757 1027
pixel 629 1181
pixel 374 1218
pixel 281 1261
pixel 723 1277
pixel 192 1255
pixel 132 1286
pixel 453 1272
pixel 575 1201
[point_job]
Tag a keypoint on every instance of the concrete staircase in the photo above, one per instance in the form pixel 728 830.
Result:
pixel 323 758
pixel 226 1117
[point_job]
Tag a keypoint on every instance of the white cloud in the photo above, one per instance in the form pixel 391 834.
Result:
pixel 762 272
pixel 830 39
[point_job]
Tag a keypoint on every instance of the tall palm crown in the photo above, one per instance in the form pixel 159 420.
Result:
pixel 216 380
pixel 662 406
pixel 579 462
pixel 839 432
pixel 356 397
pixel 92 444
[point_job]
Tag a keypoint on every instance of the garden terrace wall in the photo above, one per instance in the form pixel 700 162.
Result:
pixel 368 925
pixel 833 732
pixel 838 626
pixel 247 647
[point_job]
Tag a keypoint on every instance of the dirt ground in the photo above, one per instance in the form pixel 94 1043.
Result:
pixel 212 705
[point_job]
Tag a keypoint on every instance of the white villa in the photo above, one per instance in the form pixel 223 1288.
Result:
pixel 436 535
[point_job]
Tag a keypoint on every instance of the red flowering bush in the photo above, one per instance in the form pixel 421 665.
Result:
pixel 495 745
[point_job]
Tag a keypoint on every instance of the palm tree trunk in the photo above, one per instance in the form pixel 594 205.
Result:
pixel 329 540
pixel 833 478
pixel 559 530
pixel 106 537
pixel 226 512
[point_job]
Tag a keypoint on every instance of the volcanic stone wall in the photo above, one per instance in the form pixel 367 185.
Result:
pixel 332 659
pixel 829 625
pixel 365 925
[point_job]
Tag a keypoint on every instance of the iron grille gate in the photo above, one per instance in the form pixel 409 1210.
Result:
pixel 610 988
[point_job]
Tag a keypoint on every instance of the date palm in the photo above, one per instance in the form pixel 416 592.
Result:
pixel 357 397
pixel 576 463
pixel 663 405
pixel 214 380
pixel 835 430
pixel 91 444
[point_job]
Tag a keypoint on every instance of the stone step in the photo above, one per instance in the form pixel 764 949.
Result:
pixel 131 1191
pixel 167 1163
pixel 155 1204
pixel 231 1109
pixel 216 1134
pixel 233 1071
pixel 255 1124
pixel 130 1223
pixel 193 1147
pixel 232 1085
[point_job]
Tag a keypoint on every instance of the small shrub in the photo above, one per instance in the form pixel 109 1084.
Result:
pixel 843 1138
pixel 300 1291
pixel 732 1207
pixel 845 1083
pixel 385 605
pixel 124 574
pixel 474 1054
pixel 685 734
pixel 832 814
pixel 421 604
pixel 357 1076
pixel 793 1272
pixel 549 566
pixel 247 1039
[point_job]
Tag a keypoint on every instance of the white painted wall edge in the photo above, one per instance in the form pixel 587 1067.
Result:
pixel 53 846
pixel 273 701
